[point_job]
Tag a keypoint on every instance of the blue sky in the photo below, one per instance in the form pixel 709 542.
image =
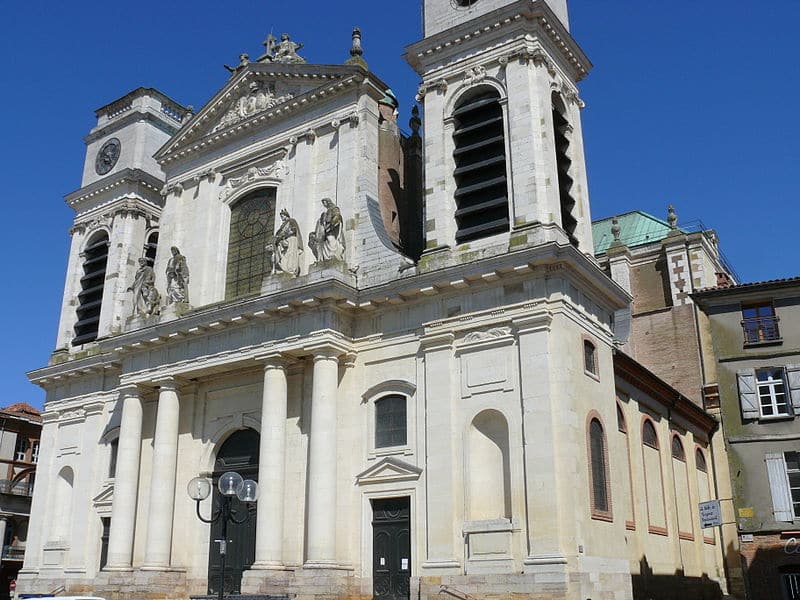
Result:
pixel 691 103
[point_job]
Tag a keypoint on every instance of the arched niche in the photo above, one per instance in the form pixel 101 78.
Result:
pixel 489 471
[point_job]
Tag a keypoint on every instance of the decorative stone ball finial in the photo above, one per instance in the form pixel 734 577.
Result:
pixel 672 218
pixel 615 229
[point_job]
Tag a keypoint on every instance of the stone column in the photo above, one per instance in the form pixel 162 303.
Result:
pixel 443 494
pixel 322 460
pixel 126 482
pixel 162 484
pixel 271 465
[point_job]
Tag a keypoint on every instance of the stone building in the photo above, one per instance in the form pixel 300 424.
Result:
pixel 20 427
pixel 415 360
pixel 660 263
pixel 756 333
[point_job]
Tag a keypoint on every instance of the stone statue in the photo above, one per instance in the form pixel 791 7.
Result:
pixel 287 246
pixel 327 240
pixel 177 277
pixel 146 299
pixel 286 50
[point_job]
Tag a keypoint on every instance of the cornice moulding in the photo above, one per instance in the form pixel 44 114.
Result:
pixel 522 11
pixel 135 179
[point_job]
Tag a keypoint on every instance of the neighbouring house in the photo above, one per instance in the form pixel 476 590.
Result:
pixel 756 333
pixel 20 429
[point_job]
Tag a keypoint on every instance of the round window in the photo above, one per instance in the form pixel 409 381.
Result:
pixel 463 3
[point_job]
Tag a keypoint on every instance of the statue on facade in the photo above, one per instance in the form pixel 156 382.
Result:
pixel 287 246
pixel 327 240
pixel 177 277
pixel 146 299
pixel 284 51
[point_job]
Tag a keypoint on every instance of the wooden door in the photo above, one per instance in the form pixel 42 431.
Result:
pixel 391 548
pixel 239 453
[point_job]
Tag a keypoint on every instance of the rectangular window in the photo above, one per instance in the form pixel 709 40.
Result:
pixel 759 323
pixel 793 473
pixel 772 396
pixel 390 422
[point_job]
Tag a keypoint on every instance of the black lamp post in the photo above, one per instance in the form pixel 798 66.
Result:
pixel 230 484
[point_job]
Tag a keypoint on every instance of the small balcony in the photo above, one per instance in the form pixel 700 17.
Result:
pixel 16 488
pixel 759 330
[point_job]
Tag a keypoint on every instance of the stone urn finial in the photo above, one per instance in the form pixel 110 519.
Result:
pixel 356 50
pixel 672 218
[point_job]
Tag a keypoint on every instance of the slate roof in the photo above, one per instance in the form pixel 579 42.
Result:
pixel 637 228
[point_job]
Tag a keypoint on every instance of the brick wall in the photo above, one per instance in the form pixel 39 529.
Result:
pixel 666 343
pixel 764 558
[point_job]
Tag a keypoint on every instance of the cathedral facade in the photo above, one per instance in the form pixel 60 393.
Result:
pixel 405 340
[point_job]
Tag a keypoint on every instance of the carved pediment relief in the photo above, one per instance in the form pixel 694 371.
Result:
pixel 258 92
pixel 259 97
pixel 389 470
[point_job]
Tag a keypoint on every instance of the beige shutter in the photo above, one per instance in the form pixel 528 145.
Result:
pixel 793 379
pixel 747 393
pixel 779 486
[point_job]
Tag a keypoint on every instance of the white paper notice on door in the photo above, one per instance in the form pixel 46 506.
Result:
pixel 383 561
pixel 404 564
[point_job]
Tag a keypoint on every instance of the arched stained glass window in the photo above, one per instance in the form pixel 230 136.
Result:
pixel 252 226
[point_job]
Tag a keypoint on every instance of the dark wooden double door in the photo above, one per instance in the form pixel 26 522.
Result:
pixel 239 453
pixel 391 548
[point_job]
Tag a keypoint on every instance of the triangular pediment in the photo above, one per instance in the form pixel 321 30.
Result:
pixel 387 470
pixel 105 497
pixel 257 94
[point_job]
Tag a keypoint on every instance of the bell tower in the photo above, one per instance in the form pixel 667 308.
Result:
pixel 504 155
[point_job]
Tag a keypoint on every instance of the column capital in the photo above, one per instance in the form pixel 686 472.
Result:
pixel 273 360
pixel 129 389
pixel 167 383
pixel 326 350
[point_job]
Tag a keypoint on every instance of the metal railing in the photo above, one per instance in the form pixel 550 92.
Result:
pixel 17 488
pixel 760 329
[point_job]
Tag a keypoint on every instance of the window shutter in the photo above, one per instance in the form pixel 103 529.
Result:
pixel 779 486
pixel 747 393
pixel 793 379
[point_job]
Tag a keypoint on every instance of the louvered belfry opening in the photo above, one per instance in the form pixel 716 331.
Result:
pixel 150 248
pixel 90 298
pixel 480 156
pixel 560 126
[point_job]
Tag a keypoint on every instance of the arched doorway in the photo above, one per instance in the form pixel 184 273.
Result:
pixel 239 453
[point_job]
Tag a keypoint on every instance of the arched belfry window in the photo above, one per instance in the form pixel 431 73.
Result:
pixel 480 156
pixel 252 226
pixel 150 248
pixel 561 129
pixel 90 298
